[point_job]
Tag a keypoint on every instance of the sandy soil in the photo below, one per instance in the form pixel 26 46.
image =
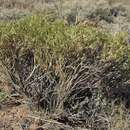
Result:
pixel 12 117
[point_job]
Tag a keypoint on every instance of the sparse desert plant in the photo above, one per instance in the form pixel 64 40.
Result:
pixel 71 73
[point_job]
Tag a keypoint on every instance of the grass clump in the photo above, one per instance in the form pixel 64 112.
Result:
pixel 70 71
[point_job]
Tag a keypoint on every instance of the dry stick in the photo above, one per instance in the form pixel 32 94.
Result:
pixel 54 122
pixel 35 67
pixel 49 121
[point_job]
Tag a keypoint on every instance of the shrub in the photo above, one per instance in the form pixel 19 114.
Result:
pixel 66 70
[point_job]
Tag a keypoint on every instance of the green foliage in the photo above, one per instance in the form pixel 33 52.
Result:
pixel 57 39
pixel 3 96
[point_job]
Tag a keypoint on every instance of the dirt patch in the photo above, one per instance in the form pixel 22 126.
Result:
pixel 14 112
pixel 11 117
